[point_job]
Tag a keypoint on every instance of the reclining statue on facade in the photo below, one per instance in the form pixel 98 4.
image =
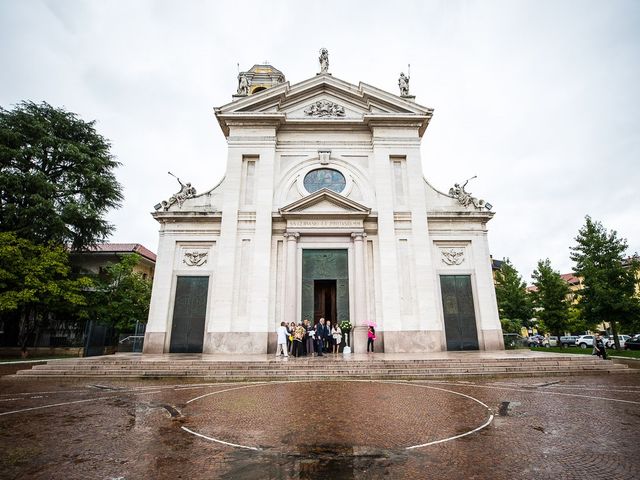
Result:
pixel 186 191
pixel 465 198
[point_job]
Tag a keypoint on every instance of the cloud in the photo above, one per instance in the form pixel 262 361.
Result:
pixel 538 99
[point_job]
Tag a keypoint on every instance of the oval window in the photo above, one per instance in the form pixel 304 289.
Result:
pixel 324 178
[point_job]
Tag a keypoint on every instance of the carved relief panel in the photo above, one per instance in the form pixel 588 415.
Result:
pixel 194 256
pixel 452 254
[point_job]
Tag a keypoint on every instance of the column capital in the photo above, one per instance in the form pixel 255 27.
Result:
pixel 292 236
pixel 358 236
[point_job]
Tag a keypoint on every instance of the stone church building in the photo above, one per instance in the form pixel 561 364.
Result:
pixel 323 212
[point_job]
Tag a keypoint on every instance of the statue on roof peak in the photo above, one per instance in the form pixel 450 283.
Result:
pixel 324 60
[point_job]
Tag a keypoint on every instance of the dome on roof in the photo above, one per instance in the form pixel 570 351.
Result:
pixel 258 78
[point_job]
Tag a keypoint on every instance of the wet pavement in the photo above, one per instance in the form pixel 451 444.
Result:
pixel 547 427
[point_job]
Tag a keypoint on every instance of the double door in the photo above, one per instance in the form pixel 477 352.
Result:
pixel 459 312
pixel 189 314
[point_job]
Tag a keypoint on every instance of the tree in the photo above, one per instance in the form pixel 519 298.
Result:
pixel 56 176
pixel 35 284
pixel 608 293
pixel 576 321
pixel 514 303
pixel 511 326
pixel 551 298
pixel 121 296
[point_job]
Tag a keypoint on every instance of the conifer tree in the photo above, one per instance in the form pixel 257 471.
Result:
pixel 57 177
pixel 608 277
pixel 514 303
pixel 551 298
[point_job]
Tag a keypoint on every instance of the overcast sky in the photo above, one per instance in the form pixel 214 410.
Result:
pixel 540 99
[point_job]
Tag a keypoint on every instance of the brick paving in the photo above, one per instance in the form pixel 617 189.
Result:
pixel 546 427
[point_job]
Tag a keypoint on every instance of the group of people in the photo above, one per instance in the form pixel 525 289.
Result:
pixel 306 339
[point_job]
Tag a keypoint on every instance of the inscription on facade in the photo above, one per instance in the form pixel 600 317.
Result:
pixel 316 223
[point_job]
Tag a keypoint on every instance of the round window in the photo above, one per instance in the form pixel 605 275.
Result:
pixel 324 178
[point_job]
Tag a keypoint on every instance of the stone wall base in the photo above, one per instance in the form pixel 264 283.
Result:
pixel 236 342
pixel 414 341
pixel 493 340
pixel 153 342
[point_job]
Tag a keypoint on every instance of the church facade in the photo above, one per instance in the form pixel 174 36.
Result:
pixel 323 212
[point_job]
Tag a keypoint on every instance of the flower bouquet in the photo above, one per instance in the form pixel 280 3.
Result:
pixel 346 327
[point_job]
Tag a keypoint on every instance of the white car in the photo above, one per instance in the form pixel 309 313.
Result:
pixel 611 341
pixel 584 341
pixel 568 340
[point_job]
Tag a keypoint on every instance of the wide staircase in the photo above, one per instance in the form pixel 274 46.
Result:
pixel 328 367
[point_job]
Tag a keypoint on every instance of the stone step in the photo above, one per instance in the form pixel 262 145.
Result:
pixel 325 359
pixel 294 367
pixel 275 373
pixel 395 376
pixel 381 371
pixel 321 368
pixel 296 363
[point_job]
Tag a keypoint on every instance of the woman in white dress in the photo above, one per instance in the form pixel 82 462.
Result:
pixel 336 333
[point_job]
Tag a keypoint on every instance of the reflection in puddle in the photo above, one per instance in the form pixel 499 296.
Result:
pixel 314 462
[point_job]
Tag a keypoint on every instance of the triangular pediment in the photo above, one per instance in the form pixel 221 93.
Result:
pixel 325 202
pixel 321 98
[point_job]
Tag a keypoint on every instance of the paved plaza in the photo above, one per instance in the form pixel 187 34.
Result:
pixel 547 427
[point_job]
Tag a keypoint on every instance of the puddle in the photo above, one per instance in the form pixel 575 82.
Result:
pixel 506 409
pixel 107 388
pixel 315 462
pixel 172 411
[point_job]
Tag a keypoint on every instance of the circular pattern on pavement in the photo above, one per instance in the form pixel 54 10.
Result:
pixel 294 416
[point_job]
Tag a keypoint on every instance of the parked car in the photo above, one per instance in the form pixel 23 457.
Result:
pixel 612 344
pixel 632 343
pixel 514 340
pixel 568 340
pixel 553 341
pixel 584 341
pixel 538 341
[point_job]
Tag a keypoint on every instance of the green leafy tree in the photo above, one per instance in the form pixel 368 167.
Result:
pixel 608 277
pixel 511 326
pixel 514 303
pixel 35 284
pixel 121 296
pixel 576 322
pixel 56 176
pixel 551 298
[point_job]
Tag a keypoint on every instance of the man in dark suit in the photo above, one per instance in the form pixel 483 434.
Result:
pixel 321 333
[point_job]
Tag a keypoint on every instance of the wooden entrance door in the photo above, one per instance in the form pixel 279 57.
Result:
pixel 324 300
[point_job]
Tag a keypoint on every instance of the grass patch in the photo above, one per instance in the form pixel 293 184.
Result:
pixel 587 351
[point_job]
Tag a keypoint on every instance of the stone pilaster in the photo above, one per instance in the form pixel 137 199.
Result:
pixel 290 284
pixel 360 307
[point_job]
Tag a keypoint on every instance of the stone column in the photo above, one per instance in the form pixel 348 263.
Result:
pixel 290 300
pixel 359 340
